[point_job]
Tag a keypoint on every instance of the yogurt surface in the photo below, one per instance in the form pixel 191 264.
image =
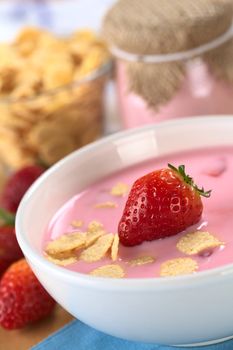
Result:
pixel 211 168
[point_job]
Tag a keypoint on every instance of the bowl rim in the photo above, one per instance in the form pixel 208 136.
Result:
pixel 214 275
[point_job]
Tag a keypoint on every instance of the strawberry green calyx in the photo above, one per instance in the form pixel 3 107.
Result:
pixel 189 180
pixel 7 218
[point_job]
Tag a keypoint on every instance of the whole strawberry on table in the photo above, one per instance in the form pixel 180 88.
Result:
pixel 16 186
pixel 22 298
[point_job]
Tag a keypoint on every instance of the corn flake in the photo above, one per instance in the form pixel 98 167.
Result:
pixel 98 250
pixel 92 236
pixel 120 189
pixel 179 266
pixel 195 242
pixel 62 262
pixel 34 63
pixel 110 271
pixel 142 261
pixel 107 204
pixel 95 226
pixel 94 231
pixel 115 247
pixel 66 244
pixel 77 223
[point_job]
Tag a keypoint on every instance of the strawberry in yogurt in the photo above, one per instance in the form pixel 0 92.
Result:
pixel 161 204
pixel 177 230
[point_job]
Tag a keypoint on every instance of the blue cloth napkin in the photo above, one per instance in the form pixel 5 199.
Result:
pixel 78 336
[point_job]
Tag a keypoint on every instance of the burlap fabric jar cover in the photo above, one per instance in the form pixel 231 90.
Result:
pixel 174 58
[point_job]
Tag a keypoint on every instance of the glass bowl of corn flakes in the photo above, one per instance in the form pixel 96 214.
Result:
pixel 51 95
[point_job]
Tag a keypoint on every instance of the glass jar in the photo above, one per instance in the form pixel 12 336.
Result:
pixel 51 95
pixel 201 93
pixel 174 58
pixel 49 126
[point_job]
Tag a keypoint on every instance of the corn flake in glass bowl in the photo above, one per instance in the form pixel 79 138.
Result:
pixel 51 94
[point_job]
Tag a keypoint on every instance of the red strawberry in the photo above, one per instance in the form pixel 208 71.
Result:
pixel 17 185
pixel 9 248
pixel 160 204
pixel 22 298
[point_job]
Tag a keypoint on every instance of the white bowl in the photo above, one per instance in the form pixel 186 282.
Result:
pixel 176 310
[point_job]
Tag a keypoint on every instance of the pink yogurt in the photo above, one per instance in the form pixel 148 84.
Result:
pixel 200 94
pixel 211 168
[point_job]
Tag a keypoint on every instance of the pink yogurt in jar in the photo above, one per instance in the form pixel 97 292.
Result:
pixel 200 94
pixel 211 168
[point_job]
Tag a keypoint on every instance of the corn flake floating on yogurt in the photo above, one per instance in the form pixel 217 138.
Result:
pixel 197 242
pixel 110 271
pixel 179 266
pixel 92 236
pixel 119 190
pixel 90 246
pixel 62 261
pixel 115 247
pixel 98 250
pixel 142 261
pixel 66 244
pixel 107 204
pixel 95 226
pixel 94 231
pixel 77 223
